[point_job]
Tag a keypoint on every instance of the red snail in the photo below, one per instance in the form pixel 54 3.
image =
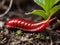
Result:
pixel 26 25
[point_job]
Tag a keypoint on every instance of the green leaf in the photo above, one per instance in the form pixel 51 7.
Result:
pixel 38 36
pixel 19 32
pixel 55 9
pixel 40 13
pixel 47 38
pixel 46 4
pixel 53 2
pixel 50 3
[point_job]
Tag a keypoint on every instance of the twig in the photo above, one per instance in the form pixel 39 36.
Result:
pixel 51 42
pixel 11 1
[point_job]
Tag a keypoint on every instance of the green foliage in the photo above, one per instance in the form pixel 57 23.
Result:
pixel 19 32
pixel 40 13
pixel 55 9
pixel 47 38
pixel 38 36
pixel 48 8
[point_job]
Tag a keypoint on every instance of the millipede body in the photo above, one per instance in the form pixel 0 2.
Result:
pixel 27 25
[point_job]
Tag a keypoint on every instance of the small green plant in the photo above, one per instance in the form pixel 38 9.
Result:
pixel 48 8
pixel 47 38
pixel 38 36
pixel 19 32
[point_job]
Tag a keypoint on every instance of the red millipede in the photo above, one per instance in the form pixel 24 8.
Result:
pixel 26 25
